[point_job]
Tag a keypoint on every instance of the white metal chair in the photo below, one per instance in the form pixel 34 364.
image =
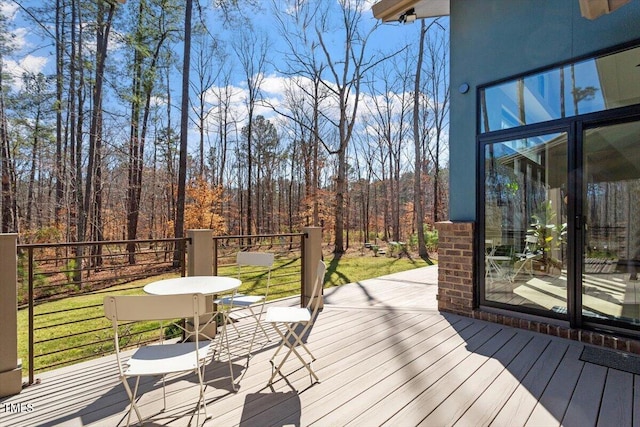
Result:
pixel 164 358
pixel 529 254
pixel 244 260
pixel 292 323
pixel 498 261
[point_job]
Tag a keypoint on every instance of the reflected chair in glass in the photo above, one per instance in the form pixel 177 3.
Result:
pixel 498 261
pixel 246 260
pixel 164 358
pixel 528 256
pixel 292 323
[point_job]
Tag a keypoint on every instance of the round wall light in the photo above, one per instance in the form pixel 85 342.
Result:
pixel 463 88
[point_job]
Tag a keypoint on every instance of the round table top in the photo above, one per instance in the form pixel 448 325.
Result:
pixel 208 285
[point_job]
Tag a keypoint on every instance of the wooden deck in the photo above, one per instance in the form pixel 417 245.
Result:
pixel 385 356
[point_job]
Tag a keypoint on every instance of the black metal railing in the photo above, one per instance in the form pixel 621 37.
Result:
pixel 61 288
pixel 68 280
pixel 287 273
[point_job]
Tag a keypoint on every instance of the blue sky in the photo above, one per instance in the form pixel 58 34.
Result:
pixel 34 54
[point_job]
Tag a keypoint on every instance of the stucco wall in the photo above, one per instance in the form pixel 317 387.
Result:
pixel 496 39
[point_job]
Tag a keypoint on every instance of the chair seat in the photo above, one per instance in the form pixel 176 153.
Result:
pixel 288 314
pixel 528 255
pixel 240 300
pixel 167 358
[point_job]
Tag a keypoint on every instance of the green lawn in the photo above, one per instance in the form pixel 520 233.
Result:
pixel 88 330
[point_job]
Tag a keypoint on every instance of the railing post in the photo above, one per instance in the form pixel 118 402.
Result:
pixel 312 254
pixel 215 257
pixel 200 253
pixel 10 366
pixel 200 263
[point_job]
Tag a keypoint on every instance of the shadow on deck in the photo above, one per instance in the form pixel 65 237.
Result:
pixel 385 356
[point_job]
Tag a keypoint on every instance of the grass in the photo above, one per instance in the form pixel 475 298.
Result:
pixel 79 321
pixel 349 269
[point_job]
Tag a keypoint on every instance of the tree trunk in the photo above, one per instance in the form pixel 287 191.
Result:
pixel 184 129
pixel 8 217
pixel 417 177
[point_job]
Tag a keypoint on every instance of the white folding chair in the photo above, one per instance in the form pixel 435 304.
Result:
pixel 163 358
pixel 529 255
pixel 251 259
pixel 292 323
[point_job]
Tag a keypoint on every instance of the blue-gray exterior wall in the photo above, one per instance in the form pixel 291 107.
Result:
pixel 496 39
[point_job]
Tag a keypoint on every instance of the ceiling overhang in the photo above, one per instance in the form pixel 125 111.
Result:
pixel 396 10
pixel 393 10
pixel 592 9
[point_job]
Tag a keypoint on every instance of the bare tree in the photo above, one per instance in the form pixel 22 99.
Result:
pixel 417 174
pixel 347 70
pixel 152 30
pixel 388 108
pixel 184 128
pixel 251 51
pixel 436 99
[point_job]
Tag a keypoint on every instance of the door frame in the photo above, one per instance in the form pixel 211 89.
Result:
pixel 574 127
pixel 604 119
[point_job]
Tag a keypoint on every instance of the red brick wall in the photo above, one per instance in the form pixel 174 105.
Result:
pixel 455 267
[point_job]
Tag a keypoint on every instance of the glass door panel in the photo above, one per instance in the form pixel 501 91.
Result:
pixel 525 223
pixel 611 211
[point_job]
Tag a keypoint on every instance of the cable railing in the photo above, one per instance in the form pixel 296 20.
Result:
pixel 61 287
pixel 286 273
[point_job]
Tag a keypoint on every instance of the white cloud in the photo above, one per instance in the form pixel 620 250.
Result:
pixel 8 9
pixel 362 6
pixel 275 85
pixel 19 38
pixel 28 64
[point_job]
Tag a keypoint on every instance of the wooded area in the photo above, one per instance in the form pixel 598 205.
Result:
pixel 98 147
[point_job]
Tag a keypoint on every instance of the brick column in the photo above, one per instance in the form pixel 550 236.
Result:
pixel 456 267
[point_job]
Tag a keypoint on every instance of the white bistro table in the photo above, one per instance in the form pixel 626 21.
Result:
pixel 208 285
pixel 212 287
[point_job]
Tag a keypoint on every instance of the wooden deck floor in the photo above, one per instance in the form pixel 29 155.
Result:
pixel 385 356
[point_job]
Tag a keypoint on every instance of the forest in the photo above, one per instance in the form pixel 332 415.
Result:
pixel 140 119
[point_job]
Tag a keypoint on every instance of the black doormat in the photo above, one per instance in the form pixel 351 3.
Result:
pixel 612 359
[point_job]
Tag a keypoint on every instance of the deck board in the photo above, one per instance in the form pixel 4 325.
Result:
pixel 582 411
pixel 516 411
pixel 494 363
pixel 617 402
pixel 493 399
pixel 553 403
pixel 422 405
pixel 384 371
pixel 385 356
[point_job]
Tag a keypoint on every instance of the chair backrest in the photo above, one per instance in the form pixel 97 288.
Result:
pixel 261 259
pixel 530 242
pixel 257 259
pixel 489 247
pixel 312 304
pixel 153 307
pixel 126 308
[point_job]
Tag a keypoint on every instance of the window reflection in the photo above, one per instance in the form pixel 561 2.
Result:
pixel 597 84
pixel 525 222
pixel 611 198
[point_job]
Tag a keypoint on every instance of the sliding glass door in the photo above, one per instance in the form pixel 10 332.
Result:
pixel 525 221
pixel 610 259
pixel 559 191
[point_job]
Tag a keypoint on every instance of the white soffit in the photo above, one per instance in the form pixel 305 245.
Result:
pixel 390 10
